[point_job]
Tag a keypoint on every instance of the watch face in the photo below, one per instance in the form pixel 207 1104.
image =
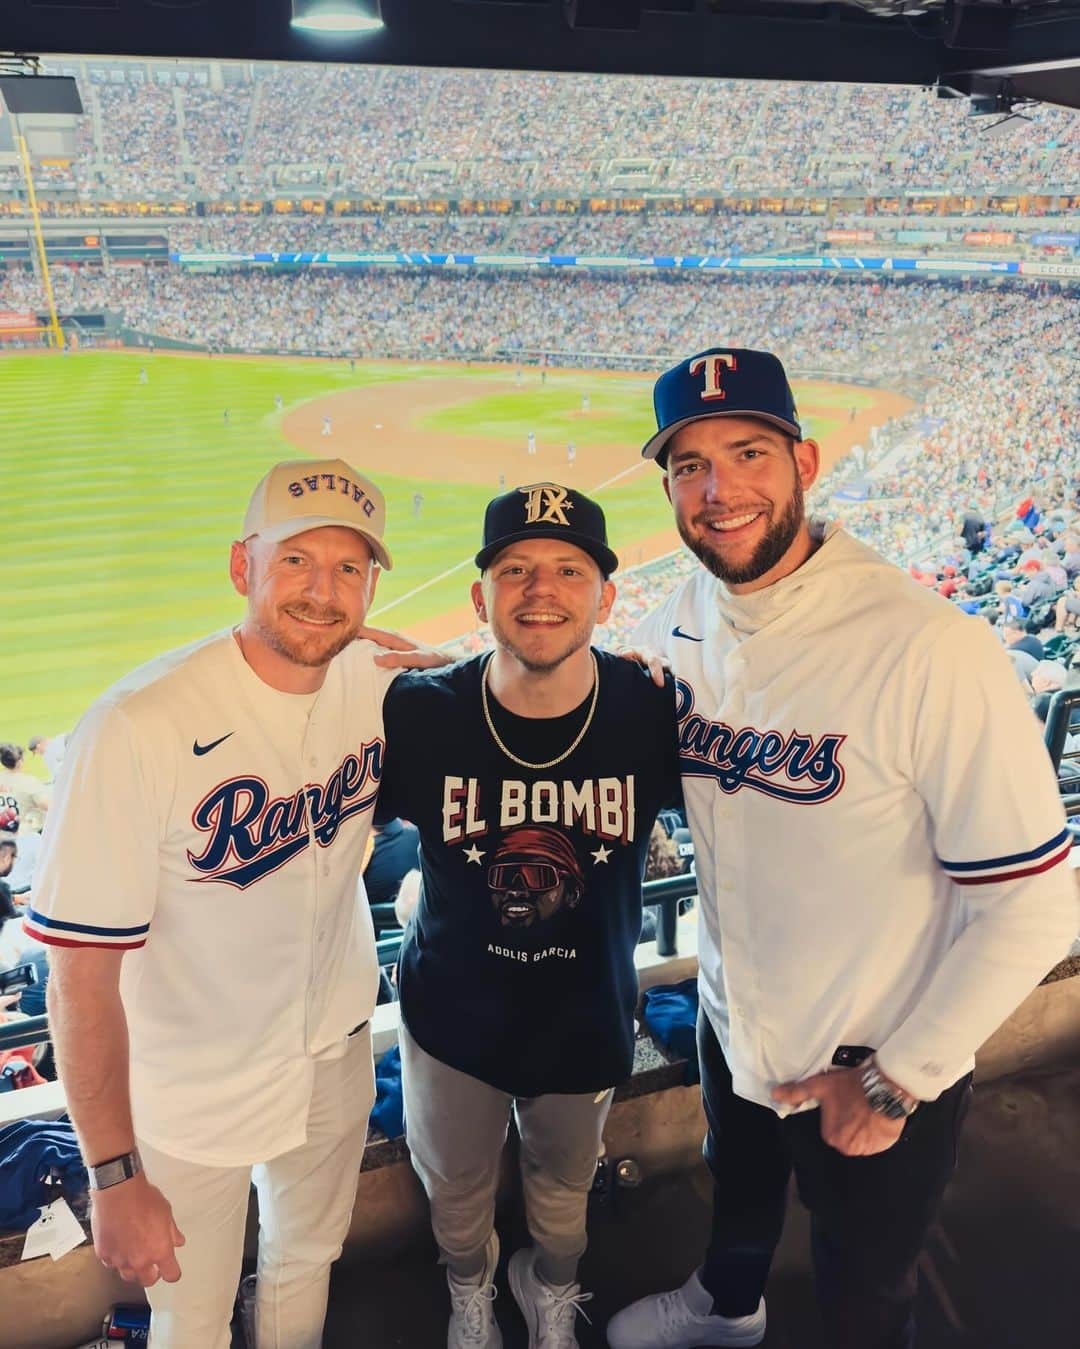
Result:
pixel 883 1102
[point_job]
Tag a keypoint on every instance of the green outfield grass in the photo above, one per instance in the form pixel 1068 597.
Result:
pixel 123 498
pixel 614 418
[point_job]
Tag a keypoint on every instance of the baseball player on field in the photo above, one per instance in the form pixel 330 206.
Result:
pixel 212 973
pixel 881 855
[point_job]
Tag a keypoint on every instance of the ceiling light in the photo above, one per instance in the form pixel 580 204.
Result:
pixel 336 16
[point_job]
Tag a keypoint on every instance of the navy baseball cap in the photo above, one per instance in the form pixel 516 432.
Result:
pixel 545 510
pixel 721 382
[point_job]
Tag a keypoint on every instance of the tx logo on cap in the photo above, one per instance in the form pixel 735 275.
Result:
pixel 546 503
pixel 711 365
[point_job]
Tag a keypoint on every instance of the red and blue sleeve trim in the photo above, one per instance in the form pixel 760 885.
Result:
pixel 1013 866
pixel 56 932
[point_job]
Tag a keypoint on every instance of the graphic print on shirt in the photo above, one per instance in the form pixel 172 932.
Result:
pixel 535 875
pixel 252 835
pixel 537 862
pixel 792 767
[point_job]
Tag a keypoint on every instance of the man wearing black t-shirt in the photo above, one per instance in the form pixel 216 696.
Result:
pixel 534 774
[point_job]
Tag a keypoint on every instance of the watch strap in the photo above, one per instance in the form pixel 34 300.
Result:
pixel 882 1097
pixel 115 1170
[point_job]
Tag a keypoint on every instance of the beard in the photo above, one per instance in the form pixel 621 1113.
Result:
pixel 779 536
pixel 538 661
pixel 312 649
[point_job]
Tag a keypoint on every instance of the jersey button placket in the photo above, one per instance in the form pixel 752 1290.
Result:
pixel 732 878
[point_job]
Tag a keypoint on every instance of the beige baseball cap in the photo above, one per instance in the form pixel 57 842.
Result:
pixel 310 493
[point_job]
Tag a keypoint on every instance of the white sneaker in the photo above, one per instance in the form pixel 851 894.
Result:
pixel 667 1321
pixel 472 1313
pixel 549 1313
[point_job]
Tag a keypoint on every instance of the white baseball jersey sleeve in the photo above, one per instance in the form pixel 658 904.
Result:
pixel 214 828
pixel 880 843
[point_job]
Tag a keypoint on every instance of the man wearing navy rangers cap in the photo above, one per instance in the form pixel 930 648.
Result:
pixel 880 850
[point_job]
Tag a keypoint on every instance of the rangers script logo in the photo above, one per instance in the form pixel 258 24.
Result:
pixel 795 768
pixel 252 835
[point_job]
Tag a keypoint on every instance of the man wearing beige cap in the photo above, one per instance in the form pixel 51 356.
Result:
pixel 212 971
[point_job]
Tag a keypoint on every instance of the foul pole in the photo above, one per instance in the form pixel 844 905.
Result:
pixel 54 322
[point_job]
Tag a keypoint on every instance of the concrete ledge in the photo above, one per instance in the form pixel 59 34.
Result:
pixel 1043 1031
pixel 53 1304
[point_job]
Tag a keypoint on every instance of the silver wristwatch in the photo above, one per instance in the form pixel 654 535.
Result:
pixel 115 1170
pixel 882 1098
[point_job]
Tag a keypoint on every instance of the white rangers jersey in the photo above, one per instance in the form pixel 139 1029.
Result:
pixel 879 838
pixel 215 829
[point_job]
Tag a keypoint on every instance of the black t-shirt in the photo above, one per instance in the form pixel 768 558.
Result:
pixel 518 967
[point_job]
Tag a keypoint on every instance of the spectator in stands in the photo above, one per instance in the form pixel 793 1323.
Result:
pixel 975 531
pixel 1067 609
pixel 1037 586
pixel 663 859
pixel 26 793
pixel 1070 554
pixel 1017 638
pixel 396 851
pixel 51 750
pixel 1009 605
pixel 1047 677
pixel 408 897
pixel 8 852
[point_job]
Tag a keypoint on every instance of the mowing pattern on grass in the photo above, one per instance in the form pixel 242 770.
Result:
pixel 127 493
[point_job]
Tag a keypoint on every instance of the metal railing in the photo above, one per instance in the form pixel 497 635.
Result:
pixel 1058 718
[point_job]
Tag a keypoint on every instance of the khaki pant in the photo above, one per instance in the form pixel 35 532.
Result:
pixel 456 1127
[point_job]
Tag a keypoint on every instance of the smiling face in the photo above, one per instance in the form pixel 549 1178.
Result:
pixel 736 485
pixel 307 596
pixel 542 598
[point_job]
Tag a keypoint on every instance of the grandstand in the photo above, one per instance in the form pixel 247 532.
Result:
pixel 192 214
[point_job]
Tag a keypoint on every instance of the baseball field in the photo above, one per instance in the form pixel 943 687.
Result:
pixel 128 473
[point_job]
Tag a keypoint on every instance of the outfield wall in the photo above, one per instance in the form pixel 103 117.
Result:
pixel 1035 271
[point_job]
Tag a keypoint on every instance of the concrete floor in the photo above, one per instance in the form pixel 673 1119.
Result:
pixel 1000 1269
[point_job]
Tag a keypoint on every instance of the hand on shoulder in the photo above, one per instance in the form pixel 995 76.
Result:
pixel 402 653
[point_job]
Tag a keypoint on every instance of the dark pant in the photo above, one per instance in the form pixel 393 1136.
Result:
pixel 869 1215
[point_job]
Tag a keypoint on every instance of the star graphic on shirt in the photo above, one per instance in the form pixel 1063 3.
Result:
pixel 601 854
pixel 473 854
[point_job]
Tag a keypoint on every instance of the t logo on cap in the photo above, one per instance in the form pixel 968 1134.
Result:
pixel 546 502
pixel 711 365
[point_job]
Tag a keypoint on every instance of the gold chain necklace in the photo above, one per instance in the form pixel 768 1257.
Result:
pixel 577 739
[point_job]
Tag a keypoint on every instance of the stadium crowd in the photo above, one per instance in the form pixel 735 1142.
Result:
pixel 147 134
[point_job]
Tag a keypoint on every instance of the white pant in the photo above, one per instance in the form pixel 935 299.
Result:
pixel 305 1202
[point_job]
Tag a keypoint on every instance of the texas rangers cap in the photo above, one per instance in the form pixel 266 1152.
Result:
pixel 305 494
pixel 721 382
pixel 545 510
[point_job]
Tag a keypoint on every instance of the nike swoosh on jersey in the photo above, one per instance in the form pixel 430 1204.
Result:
pixel 198 749
pixel 676 631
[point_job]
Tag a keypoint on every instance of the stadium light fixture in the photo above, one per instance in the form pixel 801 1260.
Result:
pixel 336 16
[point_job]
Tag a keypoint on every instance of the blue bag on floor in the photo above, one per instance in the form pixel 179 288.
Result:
pixel 671 1014
pixel 388 1113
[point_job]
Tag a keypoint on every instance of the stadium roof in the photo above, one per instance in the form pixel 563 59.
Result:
pixel 999 50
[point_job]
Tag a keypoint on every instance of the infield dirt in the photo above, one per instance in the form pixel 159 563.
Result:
pixel 386 419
